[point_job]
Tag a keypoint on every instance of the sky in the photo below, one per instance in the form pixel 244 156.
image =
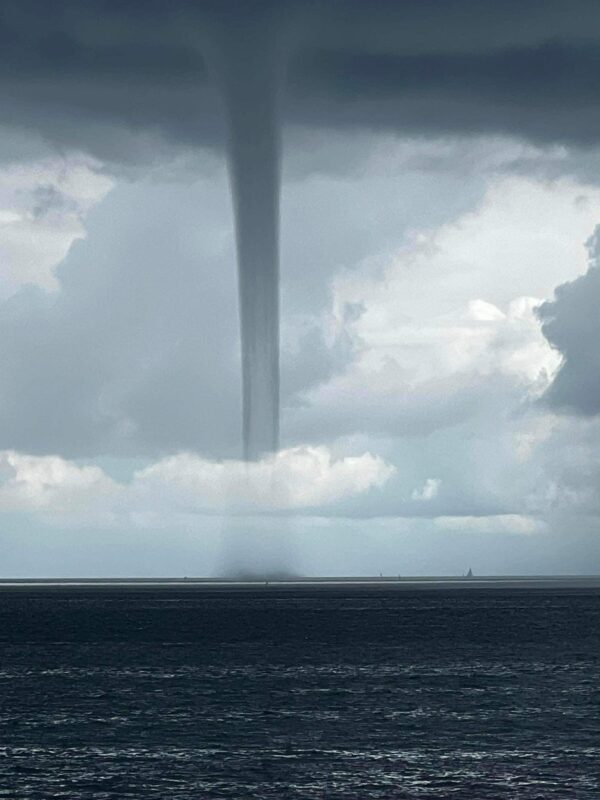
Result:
pixel 440 370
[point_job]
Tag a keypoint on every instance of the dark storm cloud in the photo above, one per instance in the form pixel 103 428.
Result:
pixel 571 324
pixel 92 74
pixel 546 92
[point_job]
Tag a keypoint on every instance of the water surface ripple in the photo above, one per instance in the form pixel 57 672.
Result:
pixel 179 695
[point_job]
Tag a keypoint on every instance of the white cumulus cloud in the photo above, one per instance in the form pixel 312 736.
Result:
pixel 453 311
pixel 53 486
pixel 184 484
pixel 299 477
pixel 42 209
pixel 428 491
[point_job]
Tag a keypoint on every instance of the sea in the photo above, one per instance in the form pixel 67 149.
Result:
pixel 170 693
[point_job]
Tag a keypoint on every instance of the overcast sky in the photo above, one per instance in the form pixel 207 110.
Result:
pixel 439 288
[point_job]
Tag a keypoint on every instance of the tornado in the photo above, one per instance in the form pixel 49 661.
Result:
pixel 248 72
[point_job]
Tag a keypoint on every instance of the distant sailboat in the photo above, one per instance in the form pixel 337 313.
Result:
pixel 469 573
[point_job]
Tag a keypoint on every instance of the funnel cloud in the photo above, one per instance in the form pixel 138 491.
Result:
pixel 249 76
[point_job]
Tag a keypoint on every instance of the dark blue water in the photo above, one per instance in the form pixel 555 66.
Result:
pixel 168 695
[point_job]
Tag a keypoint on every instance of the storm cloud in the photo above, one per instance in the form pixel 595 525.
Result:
pixel 101 75
pixel 571 323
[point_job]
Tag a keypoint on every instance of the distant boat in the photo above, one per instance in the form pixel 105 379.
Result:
pixel 469 573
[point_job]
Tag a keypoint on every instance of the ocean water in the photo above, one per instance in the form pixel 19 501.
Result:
pixel 168 694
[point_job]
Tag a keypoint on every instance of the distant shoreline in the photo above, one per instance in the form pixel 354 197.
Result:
pixel 333 585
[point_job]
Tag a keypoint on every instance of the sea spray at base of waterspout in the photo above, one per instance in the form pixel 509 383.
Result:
pixel 261 552
pixel 257 547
